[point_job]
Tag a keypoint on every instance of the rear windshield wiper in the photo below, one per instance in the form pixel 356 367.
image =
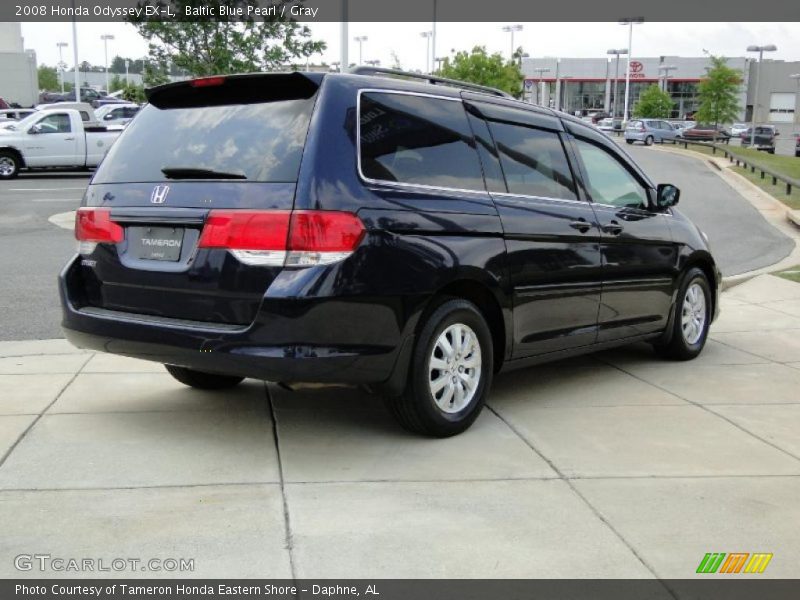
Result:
pixel 200 173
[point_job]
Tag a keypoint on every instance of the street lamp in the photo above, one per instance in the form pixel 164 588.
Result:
pixel 61 62
pixel 760 50
pixel 796 77
pixel 427 35
pixel 106 38
pixel 666 69
pixel 539 71
pixel 630 22
pixel 360 39
pixel 616 52
pixel 511 29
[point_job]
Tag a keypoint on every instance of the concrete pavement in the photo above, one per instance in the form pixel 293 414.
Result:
pixel 613 465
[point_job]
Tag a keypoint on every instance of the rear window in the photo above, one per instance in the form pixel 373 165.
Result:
pixel 417 140
pixel 258 141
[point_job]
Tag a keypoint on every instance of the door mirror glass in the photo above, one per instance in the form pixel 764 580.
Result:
pixel 667 195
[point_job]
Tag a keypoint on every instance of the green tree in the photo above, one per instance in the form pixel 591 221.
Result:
pixel 482 68
pixel 719 93
pixel 116 83
pixel 219 46
pixel 653 103
pixel 48 79
pixel 133 93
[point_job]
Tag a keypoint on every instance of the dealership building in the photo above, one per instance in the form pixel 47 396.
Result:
pixel 579 85
pixel 19 81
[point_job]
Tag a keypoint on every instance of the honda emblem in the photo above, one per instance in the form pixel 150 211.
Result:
pixel 159 195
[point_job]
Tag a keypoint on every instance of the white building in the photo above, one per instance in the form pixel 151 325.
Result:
pixel 19 80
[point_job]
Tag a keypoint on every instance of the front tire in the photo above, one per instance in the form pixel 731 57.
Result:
pixel 691 319
pixel 450 373
pixel 202 380
pixel 648 141
pixel 9 165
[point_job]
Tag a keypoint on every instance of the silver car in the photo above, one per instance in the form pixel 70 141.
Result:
pixel 649 131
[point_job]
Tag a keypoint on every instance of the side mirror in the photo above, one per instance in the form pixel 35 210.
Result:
pixel 667 195
pixel 35 129
pixel 108 117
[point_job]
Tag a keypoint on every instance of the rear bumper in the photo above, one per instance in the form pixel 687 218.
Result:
pixel 262 350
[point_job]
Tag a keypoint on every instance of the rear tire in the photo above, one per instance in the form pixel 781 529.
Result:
pixel 9 164
pixel 629 141
pixel 691 318
pixel 648 141
pixel 446 389
pixel 202 380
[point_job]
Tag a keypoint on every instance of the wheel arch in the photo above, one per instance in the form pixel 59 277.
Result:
pixel 15 152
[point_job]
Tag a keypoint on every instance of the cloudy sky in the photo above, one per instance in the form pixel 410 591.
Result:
pixel 538 39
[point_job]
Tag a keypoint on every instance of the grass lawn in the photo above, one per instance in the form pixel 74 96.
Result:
pixel 786 165
pixel 792 274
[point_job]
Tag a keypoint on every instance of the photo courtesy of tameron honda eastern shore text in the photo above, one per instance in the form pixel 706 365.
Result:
pixel 413 236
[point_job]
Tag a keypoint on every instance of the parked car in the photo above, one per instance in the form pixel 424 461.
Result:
pixel 681 126
pixel 649 131
pixel 410 238
pixel 704 132
pixel 116 114
pixel 52 138
pixel 606 124
pixel 764 138
pixel 737 129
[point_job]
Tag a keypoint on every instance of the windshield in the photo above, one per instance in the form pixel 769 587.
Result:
pixel 23 124
pixel 258 142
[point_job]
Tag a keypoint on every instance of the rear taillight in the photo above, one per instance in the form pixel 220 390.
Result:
pixel 94 226
pixel 277 238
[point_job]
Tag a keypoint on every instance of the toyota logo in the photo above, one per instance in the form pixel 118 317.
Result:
pixel 159 195
pixel 636 66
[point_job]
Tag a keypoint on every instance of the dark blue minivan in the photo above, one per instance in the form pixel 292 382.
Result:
pixel 411 237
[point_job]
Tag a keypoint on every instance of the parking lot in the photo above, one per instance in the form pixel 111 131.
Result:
pixel 613 465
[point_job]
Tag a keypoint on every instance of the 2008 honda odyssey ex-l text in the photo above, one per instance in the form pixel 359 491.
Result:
pixel 411 237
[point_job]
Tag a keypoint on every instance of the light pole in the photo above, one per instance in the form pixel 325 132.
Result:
pixel 127 72
pixel 666 69
pixel 616 52
pixel 760 50
pixel 796 77
pixel 61 62
pixel 427 35
pixel 360 39
pixel 106 38
pixel 630 22
pixel 511 29
pixel 539 72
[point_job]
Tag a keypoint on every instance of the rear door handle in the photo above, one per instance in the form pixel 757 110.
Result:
pixel 69 139
pixel 581 225
pixel 613 228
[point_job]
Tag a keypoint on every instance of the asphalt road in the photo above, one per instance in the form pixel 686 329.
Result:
pixel 33 250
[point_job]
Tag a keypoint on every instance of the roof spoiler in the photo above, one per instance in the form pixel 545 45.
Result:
pixel 250 88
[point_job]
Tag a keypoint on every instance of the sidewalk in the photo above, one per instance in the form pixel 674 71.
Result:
pixel 613 465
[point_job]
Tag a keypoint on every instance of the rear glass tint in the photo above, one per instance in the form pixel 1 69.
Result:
pixel 418 140
pixel 262 141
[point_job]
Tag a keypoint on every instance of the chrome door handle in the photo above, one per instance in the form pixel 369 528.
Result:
pixel 69 139
pixel 581 225
pixel 613 228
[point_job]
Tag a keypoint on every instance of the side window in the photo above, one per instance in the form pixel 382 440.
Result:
pixel 608 181
pixel 418 140
pixel 534 161
pixel 56 123
pixel 84 116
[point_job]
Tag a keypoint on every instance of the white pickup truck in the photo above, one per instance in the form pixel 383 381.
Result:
pixel 53 138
